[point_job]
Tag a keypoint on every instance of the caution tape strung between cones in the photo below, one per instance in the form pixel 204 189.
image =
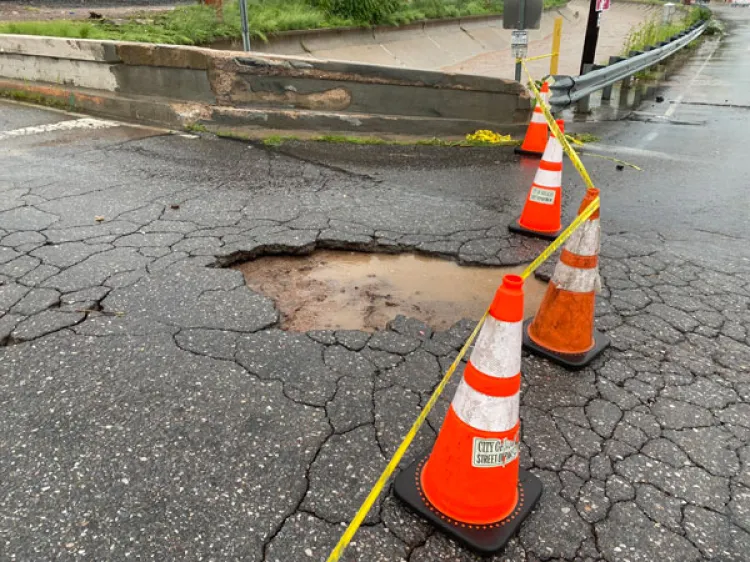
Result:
pixel 556 130
pixel 402 448
pixel 538 57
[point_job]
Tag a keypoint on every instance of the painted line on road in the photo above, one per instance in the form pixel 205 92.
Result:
pixel 85 123
pixel 648 138
pixel 672 108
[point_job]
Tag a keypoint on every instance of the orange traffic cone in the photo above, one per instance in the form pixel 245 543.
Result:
pixel 470 486
pixel 536 135
pixel 542 214
pixel 563 328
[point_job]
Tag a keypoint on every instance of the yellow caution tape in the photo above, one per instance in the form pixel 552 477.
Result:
pixel 613 159
pixel 538 57
pixel 556 130
pixel 560 240
pixel 489 137
pixel 411 434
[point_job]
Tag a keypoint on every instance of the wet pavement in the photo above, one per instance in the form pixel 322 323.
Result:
pixel 151 408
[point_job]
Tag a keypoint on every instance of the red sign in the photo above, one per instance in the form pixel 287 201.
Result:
pixel 602 5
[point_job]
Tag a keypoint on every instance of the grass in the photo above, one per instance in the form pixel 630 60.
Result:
pixel 199 25
pixel 188 25
pixel 585 137
pixel 653 32
pixel 37 99
pixel 196 128
pixel 278 140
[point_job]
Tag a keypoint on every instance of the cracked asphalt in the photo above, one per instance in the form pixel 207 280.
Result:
pixel 150 408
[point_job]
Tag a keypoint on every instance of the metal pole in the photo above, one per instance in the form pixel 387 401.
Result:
pixel 519 25
pixel 245 25
pixel 556 38
pixel 592 36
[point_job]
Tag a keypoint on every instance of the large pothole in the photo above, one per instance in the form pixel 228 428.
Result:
pixel 331 290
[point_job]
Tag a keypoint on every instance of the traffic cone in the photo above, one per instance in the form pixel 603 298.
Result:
pixel 542 213
pixel 536 134
pixel 470 485
pixel 563 328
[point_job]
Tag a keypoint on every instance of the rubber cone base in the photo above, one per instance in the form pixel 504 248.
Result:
pixel 523 152
pixel 573 361
pixel 518 229
pixel 484 539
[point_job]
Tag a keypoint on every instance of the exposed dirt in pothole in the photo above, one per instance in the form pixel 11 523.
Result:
pixel 349 290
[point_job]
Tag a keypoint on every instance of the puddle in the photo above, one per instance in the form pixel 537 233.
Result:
pixel 356 291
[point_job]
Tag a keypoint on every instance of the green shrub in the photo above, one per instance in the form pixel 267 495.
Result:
pixel 698 13
pixel 365 11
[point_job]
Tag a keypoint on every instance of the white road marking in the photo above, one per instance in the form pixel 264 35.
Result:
pixel 630 151
pixel 85 123
pixel 647 139
pixel 672 108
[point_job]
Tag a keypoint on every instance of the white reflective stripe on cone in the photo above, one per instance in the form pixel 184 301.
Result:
pixel 538 117
pixel 547 178
pixel 576 280
pixel 585 240
pixel 486 413
pixel 553 152
pixel 497 351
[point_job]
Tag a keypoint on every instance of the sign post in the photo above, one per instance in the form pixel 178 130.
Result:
pixel 519 45
pixel 521 15
pixel 245 25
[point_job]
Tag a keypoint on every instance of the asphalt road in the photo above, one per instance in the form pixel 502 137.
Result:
pixel 151 410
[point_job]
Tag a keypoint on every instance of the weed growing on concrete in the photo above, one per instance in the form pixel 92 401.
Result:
pixel 38 99
pixel 278 140
pixel 653 31
pixel 196 128
pixel 584 138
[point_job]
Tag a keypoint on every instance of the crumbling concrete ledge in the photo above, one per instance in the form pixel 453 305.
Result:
pixel 178 87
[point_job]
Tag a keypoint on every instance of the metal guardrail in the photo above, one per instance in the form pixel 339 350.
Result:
pixel 567 90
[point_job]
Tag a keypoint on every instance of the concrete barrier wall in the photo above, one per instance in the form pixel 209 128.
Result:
pixel 178 86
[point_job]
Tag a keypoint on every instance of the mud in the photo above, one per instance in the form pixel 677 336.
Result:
pixel 348 290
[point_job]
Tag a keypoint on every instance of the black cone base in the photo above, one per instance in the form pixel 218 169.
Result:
pixel 484 539
pixel 518 229
pixel 574 362
pixel 523 152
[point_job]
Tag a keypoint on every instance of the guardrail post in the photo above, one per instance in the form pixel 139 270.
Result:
pixel 622 102
pixel 584 104
pixel 607 91
pixel 637 94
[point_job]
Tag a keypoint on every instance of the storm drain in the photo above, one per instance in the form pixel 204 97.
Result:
pixel 330 290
